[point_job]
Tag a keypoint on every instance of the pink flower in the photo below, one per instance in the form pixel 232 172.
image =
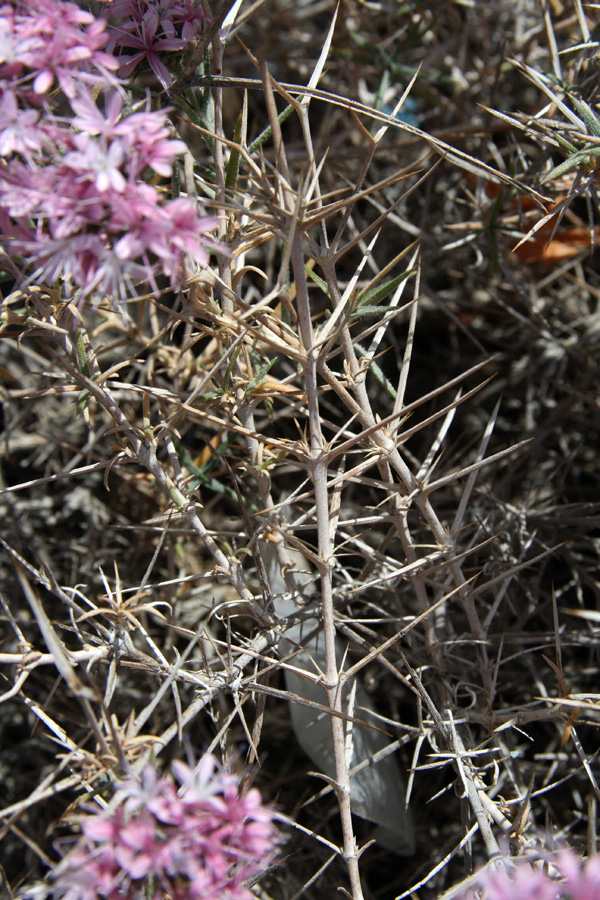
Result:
pixel 185 237
pixel 50 40
pixel 524 882
pixel 582 880
pixel 148 143
pixel 209 843
pixel 189 14
pixel 198 783
pixel 19 128
pixel 89 117
pixel 563 876
pixel 98 162
pixel 149 42
pixel 74 202
pixel 81 210
pixel 153 28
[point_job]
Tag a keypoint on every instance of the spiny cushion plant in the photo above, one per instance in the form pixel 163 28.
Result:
pixel 299 358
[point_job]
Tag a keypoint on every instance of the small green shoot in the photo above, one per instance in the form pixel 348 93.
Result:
pixel 201 474
pixel 239 137
pixel 369 303
pixel 84 366
pixel 586 154
pixel 375 369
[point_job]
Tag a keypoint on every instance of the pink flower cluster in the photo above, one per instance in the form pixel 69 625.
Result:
pixel 564 876
pixel 42 41
pixel 150 29
pixel 199 843
pixel 75 195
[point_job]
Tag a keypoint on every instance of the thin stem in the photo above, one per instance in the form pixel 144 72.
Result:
pixel 325 557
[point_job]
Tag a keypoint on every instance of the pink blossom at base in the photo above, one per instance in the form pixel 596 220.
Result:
pixel 201 842
pixel 582 880
pixel 561 876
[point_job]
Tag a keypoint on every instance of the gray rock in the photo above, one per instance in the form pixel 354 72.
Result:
pixel 377 791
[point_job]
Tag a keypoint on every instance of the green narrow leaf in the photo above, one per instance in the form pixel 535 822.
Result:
pixel 317 279
pixel 379 293
pixel 260 376
pixel 587 114
pixel 82 359
pixel 239 137
pixel 571 163
pixel 84 366
pixel 272 461
pixel 374 368
pixel 567 146
pixel 363 311
pixel 266 134
pixel 229 370
pixel 491 229
pixel 202 476
pixel 244 551
pixel 82 400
